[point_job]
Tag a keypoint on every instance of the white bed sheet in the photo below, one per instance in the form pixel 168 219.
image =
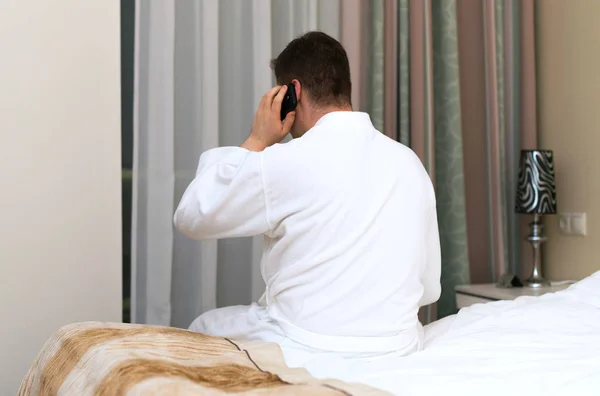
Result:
pixel 547 345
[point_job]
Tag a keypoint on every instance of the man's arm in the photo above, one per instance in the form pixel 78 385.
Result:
pixel 227 199
pixel 432 270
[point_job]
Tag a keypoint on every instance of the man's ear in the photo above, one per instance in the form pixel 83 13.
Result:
pixel 298 87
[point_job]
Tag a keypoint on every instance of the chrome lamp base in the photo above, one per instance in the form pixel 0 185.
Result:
pixel 536 238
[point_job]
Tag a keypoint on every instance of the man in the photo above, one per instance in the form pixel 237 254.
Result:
pixel 351 245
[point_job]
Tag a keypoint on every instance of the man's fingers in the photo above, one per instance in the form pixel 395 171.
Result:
pixel 267 100
pixel 279 98
pixel 288 122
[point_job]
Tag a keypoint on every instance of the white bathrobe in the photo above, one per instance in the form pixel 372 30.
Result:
pixel 351 244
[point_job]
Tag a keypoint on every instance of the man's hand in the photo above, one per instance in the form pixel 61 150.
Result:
pixel 267 128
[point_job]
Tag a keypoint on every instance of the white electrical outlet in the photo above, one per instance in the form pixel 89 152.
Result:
pixel 573 223
pixel 578 224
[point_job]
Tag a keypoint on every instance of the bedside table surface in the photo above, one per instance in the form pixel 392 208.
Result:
pixel 493 292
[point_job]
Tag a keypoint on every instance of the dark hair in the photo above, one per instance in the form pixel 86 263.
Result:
pixel 321 65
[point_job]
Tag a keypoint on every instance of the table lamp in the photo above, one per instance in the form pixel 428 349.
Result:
pixel 536 195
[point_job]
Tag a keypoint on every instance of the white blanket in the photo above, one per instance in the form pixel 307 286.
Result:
pixel 547 345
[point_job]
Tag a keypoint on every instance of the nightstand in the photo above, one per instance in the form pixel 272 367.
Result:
pixel 468 295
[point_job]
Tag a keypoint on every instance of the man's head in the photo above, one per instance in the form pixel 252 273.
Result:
pixel 318 67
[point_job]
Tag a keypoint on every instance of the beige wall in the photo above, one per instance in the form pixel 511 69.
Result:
pixel 568 34
pixel 60 227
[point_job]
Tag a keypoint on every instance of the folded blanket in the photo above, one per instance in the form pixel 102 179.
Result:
pixel 122 359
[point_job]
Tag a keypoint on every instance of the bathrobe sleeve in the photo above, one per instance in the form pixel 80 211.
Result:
pixel 226 199
pixel 430 276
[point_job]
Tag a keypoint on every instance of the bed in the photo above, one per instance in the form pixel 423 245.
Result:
pixel 547 345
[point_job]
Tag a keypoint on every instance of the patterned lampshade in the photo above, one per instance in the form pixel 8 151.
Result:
pixel 536 190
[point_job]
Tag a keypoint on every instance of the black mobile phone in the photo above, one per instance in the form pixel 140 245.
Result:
pixel 289 101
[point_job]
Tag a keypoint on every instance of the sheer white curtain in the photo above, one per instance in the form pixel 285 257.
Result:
pixel 201 69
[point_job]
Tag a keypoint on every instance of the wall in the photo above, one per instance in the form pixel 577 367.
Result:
pixel 60 233
pixel 568 62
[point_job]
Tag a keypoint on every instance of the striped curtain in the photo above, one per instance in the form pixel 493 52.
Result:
pixel 497 52
pixel 436 133
pixel 455 81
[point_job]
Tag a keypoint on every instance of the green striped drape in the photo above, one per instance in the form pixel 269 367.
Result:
pixel 374 90
pixel 440 137
pixel 403 73
pixel 447 134
pixel 430 119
